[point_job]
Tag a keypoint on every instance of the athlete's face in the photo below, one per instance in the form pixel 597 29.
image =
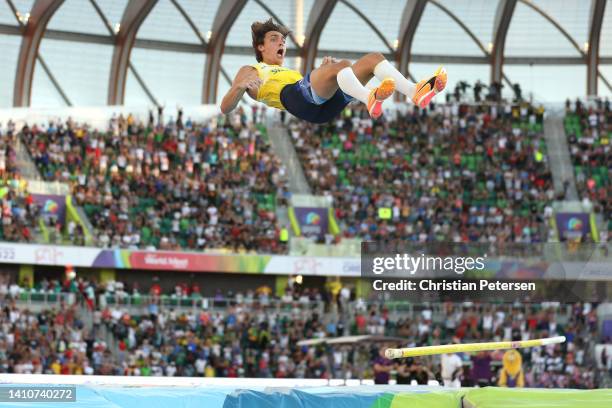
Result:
pixel 273 49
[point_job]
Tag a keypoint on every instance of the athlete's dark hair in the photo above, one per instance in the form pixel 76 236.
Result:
pixel 259 30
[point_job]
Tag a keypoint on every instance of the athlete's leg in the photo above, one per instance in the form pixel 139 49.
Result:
pixel 351 79
pixel 421 93
pixel 384 69
pixel 364 67
pixel 323 79
pixel 326 79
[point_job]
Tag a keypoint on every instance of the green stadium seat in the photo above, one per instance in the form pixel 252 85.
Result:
pixel 37 296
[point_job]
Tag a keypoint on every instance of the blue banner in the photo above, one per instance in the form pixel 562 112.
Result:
pixel 313 221
pixel 573 226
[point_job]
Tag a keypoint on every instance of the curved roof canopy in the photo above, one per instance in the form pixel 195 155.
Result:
pixel 163 52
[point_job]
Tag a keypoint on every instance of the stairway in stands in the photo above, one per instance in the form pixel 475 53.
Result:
pixel 36 185
pixel 297 183
pixel 558 155
pixel 25 163
pixel 283 147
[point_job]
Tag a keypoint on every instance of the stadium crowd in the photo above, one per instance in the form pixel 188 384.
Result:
pixel 589 132
pixel 455 173
pixel 18 212
pixel 245 338
pixel 167 184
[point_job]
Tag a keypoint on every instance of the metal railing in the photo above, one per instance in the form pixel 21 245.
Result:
pixel 269 304
pixel 51 299
pixel 142 303
pixel 48 187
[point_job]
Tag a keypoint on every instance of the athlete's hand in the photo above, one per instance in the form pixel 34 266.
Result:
pixel 328 60
pixel 252 84
pixel 248 79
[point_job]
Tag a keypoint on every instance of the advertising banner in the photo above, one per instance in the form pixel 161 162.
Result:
pixel 313 221
pixel 594 267
pixel 51 205
pixel 181 261
pixel 194 262
pixel 572 226
pixel 55 255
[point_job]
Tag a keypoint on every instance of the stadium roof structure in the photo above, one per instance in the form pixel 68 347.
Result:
pixel 97 52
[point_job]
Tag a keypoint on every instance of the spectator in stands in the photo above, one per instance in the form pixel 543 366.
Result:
pixel 382 368
pixel 451 370
pixel 247 338
pixel 481 368
pixel 411 370
pixel 458 173
pixel 589 132
pixel 167 186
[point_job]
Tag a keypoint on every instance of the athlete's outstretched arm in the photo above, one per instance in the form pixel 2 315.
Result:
pixel 246 80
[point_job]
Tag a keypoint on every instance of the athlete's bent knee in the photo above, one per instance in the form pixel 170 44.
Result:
pixel 338 66
pixel 377 56
pixel 343 64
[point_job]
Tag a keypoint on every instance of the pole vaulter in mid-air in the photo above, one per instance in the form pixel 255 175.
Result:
pixel 323 93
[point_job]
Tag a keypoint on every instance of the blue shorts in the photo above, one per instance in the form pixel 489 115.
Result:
pixel 301 101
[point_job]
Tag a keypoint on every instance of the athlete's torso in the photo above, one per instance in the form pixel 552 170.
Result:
pixel 274 78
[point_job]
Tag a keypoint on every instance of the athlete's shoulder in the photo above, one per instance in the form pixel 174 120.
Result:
pixel 246 69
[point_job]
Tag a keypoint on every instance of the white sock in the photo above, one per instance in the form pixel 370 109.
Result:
pixel 350 85
pixel 384 69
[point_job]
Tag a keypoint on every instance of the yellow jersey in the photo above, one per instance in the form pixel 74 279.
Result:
pixel 274 78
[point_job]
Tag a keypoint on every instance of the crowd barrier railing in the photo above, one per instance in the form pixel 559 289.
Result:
pixel 137 302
